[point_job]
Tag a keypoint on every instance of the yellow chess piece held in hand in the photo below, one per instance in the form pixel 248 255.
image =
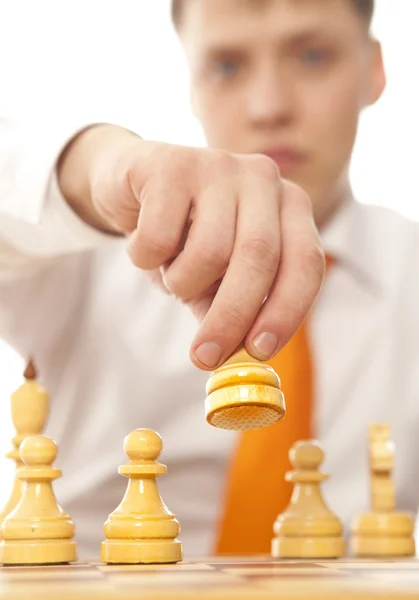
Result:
pixel 37 531
pixel 307 528
pixel 142 529
pixel 243 394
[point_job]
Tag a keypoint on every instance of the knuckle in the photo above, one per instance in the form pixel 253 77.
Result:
pixel 172 169
pixel 261 254
pixel 313 259
pixel 216 257
pixel 304 200
pixel 133 256
pixel 219 163
pixel 180 162
pixel 232 316
pixel 298 196
pixel 158 249
pixel 199 165
pixel 176 286
pixel 265 167
pixel 126 181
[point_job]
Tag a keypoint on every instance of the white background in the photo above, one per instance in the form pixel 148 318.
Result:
pixel 119 61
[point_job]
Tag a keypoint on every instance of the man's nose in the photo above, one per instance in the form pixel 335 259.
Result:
pixel 269 99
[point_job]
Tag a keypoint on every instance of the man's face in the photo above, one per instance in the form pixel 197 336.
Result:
pixel 287 78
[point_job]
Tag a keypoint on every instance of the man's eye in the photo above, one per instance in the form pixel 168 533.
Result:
pixel 227 67
pixel 313 57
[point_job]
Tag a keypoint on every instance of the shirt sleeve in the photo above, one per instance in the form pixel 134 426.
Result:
pixel 36 223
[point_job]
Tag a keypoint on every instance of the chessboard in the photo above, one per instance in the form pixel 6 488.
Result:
pixel 216 578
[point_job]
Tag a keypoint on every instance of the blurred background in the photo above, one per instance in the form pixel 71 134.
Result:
pixel 120 61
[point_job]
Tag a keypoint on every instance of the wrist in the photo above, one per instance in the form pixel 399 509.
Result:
pixel 76 165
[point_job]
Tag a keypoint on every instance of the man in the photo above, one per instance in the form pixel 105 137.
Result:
pixel 282 78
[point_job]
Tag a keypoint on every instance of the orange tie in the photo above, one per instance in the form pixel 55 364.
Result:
pixel 257 491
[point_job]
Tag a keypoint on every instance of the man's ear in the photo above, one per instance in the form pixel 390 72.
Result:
pixel 376 74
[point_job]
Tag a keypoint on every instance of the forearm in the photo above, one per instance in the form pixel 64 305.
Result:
pixel 36 224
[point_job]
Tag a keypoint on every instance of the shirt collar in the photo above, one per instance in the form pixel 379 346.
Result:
pixel 347 240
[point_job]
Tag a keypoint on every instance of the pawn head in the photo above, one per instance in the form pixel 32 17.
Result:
pixel 306 454
pixel 143 444
pixel 38 450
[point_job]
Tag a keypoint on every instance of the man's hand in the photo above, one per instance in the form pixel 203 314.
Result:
pixel 231 239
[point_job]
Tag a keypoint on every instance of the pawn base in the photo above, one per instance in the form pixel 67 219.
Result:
pixel 308 547
pixel 140 551
pixel 381 546
pixel 381 534
pixel 37 552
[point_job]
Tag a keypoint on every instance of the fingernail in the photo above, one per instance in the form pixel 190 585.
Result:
pixel 209 354
pixel 265 344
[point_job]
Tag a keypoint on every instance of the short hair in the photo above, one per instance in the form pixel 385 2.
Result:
pixel 364 7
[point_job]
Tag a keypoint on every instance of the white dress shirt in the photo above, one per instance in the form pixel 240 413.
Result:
pixel 113 351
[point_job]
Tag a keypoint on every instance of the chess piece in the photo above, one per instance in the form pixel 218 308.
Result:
pixel 384 532
pixel 29 407
pixel 244 393
pixel 142 529
pixel 37 531
pixel 307 528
